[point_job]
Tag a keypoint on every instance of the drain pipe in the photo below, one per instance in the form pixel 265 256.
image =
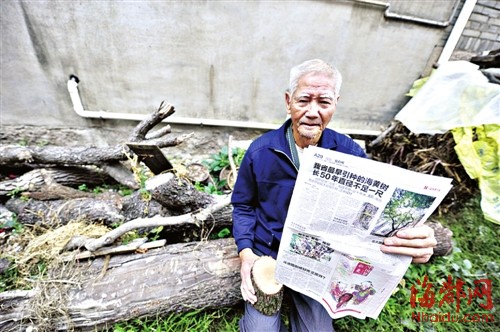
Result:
pixel 78 108
pixel 457 31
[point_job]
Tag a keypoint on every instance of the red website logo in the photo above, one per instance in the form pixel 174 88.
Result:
pixel 451 292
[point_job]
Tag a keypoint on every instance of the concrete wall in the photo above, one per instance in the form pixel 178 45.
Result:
pixel 212 59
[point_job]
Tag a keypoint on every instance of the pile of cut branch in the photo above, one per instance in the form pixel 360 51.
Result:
pixel 429 154
pixel 94 273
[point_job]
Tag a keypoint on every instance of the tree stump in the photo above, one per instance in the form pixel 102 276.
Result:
pixel 268 291
pixel 443 237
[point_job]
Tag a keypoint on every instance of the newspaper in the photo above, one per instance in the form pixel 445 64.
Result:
pixel 341 210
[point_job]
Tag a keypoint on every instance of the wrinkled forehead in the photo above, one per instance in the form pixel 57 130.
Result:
pixel 325 94
pixel 316 84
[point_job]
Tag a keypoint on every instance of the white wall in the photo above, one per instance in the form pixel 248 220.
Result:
pixel 211 59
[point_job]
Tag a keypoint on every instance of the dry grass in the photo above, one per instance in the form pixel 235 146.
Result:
pixel 36 252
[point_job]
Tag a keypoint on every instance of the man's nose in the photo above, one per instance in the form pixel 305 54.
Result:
pixel 313 110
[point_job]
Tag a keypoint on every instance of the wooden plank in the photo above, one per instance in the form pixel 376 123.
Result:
pixel 152 156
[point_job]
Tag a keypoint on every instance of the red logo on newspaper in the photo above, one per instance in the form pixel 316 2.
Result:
pixel 362 269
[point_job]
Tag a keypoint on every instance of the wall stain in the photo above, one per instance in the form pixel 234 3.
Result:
pixel 35 40
pixel 211 78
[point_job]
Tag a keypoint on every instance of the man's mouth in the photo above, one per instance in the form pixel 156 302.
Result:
pixel 310 125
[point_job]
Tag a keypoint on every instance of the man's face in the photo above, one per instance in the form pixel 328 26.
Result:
pixel 311 107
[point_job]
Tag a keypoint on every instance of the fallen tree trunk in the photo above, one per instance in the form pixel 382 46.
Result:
pixel 60 212
pixel 91 155
pixel 38 178
pixel 170 196
pixel 59 155
pixel 175 278
pixel 116 162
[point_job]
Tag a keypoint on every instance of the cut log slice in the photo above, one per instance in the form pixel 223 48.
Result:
pixel 197 172
pixel 268 291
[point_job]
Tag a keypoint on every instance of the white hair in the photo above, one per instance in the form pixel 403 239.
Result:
pixel 315 66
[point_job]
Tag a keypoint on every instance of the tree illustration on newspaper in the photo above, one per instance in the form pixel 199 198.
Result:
pixel 404 209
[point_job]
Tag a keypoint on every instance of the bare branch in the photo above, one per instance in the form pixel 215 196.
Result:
pixel 189 218
pixel 140 131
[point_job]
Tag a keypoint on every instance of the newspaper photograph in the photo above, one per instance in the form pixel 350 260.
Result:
pixel 341 210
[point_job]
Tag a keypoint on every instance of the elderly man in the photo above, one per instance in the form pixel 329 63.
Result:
pixel 265 184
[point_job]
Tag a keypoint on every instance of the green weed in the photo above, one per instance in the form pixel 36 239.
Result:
pixel 216 320
pixel 215 164
pixel 13 224
pixel 9 278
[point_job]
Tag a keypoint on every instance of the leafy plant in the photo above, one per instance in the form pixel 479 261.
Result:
pixel 129 237
pixel 154 234
pixel 23 142
pixel 215 164
pixel 42 143
pixel 13 224
pixel 225 232
pixel 8 279
pixel 214 187
pixel 221 234
pixel 83 187
pixel 15 192
pixel 219 160
pixel 125 191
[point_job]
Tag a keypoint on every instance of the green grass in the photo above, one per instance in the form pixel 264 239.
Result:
pixel 217 320
pixel 475 256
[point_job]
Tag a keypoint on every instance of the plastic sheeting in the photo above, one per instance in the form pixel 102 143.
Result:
pixel 458 97
pixel 478 151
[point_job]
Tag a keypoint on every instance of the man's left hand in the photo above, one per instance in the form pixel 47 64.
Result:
pixel 416 242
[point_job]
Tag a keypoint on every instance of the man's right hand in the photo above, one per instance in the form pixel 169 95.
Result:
pixel 247 258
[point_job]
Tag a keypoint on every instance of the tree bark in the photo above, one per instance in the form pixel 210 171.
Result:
pixel 443 236
pixel 70 176
pixel 178 194
pixel 268 291
pixel 175 278
pixel 170 196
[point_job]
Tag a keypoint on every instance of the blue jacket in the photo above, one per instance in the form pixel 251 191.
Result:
pixel 264 187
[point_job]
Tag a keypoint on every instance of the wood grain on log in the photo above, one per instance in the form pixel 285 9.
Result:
pixel 175 278
pixel 268 291
pixel 60 212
